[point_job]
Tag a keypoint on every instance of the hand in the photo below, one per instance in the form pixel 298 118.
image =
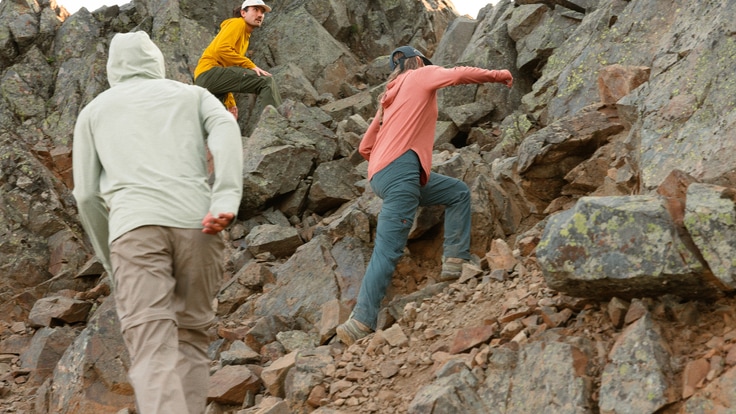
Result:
pixel 506 78
pixel 260 72
pixel 214 225
pixel 233 110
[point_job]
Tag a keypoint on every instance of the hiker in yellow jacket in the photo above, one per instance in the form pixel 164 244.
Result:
pixel 224 68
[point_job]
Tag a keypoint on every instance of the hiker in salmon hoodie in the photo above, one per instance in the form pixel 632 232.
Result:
pixel 398 146
pixel 224 68
pixel 140 181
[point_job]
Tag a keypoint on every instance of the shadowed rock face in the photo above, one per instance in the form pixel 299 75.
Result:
pixel 620 121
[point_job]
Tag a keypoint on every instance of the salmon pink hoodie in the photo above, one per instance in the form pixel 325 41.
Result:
pixel 410 114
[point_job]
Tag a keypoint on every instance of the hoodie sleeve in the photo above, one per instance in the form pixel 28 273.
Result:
pixel 226 147
pixel 87 168
pixel 435 77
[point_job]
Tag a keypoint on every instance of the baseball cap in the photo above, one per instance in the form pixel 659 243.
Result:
pixel 408 52
pixel 251 3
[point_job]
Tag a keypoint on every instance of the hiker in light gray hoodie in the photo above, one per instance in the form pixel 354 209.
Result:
pixel 141 184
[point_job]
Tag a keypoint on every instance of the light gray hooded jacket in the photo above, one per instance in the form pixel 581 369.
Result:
pixel 139 155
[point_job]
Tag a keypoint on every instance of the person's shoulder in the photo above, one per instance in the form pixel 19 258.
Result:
pixel 172 83
pixel 111 93
pixel 429 69
pixel 425 71
pixel 196 91
pixel 233 22
pixel 171 87
pixel 434 68
pixel 98 104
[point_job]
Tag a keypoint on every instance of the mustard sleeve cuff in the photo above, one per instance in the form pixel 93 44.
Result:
pixel 230 101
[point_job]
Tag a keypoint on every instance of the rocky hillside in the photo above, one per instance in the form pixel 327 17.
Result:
pixel 603 185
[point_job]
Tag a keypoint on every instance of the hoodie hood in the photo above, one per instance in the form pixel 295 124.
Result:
pixel 134 55
pixel 392 89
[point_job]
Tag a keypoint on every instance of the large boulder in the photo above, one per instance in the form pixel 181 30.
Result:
pixel 620 246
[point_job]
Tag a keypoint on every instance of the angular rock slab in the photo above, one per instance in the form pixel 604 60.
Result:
pixel 498 383
pixel 275 239
pixel 308 371
pixel 45 350
pixel 619 246
pixel 716 397
pixel 452 394
pixel 91 376
pixel 274 375
pixel 231 384
pixel 304 283
pixel 57 310
pixel 710 218
pixel 639 377
pixel 551 377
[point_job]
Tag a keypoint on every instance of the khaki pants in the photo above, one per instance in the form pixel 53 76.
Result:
pixel 165 281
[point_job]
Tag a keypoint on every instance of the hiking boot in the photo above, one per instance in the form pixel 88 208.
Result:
pixel 351 331
pixel 452 268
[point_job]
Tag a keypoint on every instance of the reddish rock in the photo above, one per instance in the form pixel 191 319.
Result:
pixel 317 396
pixel 616 311
pixel 274 375
pixel 468 338
pixel 230 384
pixel 500 256
pixel 617 81
pixel 694 373
pixel 57 310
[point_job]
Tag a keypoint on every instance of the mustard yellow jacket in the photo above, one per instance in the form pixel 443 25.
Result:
pixel 228 48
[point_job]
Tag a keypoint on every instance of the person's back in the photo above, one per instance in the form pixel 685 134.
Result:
pixel 153 151
pixel 148 134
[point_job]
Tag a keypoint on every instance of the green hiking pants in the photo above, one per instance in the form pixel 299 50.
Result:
pixel 219 81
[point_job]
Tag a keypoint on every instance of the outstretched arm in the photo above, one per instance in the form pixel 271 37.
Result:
pixel 435 77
